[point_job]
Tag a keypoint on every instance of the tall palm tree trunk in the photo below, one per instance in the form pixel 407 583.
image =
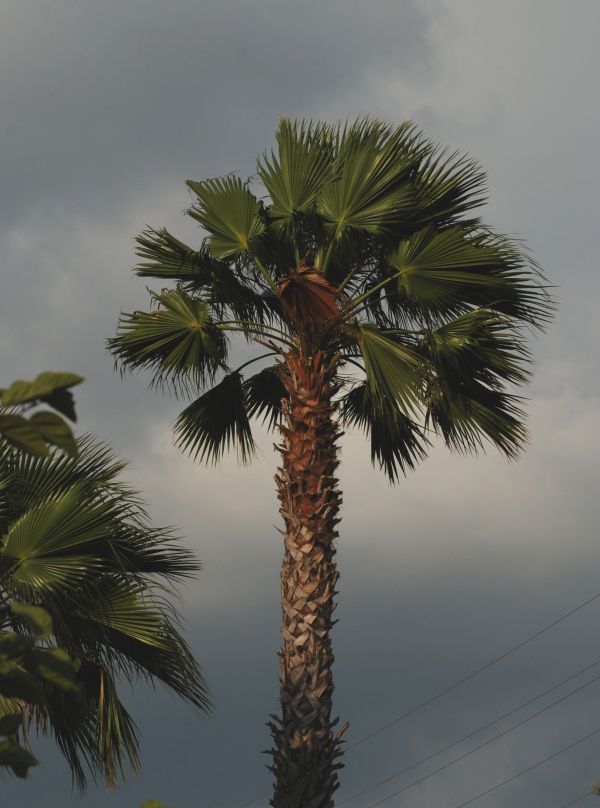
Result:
pixel 306 747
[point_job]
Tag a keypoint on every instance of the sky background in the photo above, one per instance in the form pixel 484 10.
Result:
pixel 107 108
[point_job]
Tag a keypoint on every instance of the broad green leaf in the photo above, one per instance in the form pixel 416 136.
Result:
pixel 10 724
pixel 35 618
pixel 18 683
pixel 16 758
pixel 13 646
pixel 216 422
pixel 54 666
pixel 230 214
pixel 21 433
pixel 55 430
pixel 44 385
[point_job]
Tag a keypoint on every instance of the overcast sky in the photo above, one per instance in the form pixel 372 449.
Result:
pixel 108 106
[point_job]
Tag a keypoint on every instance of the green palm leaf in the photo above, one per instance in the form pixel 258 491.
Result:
pixel 393 369
pixel 167 257
pixel 295 174
pixel 397 443
pixel 478 346
pixel 230 214
pixel 263 393
pixel 370 189
pixel 446 272
pixel 216 422
pixel 40 543
pixel 179 341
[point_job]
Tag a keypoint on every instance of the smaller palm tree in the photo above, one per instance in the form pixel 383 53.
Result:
pixel 77 542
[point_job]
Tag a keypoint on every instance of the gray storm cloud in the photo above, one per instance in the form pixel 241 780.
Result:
pixel 106 109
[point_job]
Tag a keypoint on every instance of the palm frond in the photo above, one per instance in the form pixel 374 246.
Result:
pixel 468 417
pixel 370 189
pixel 448 185
pixel 178 341
pixel 263 393
pixel 397 442
pixel 295 174
pixel 446 272
pixel 216 422
pixel 230 214
pixel 479 346
pixel 164 256
pixel 392 368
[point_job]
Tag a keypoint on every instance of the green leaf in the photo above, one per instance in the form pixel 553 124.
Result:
pixel 55 430
pixel 35 618
pixel 167 257
pixel 263 393
pixel 178 341
pixel 217 421
pixel 370 189
pixel 42 538
pixel 54 666
pixel 16 758
pixel 43 386
pixel 21 433
pixel 295 174
pixel 450 271
pixel 10 724
pixel 397 443
pixel 392 368
pixel 17 683
pixel 229 212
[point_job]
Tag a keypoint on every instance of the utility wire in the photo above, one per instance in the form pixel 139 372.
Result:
pixel 471 751
pixel 528 769
pixel 481 729
pixel 474 673
pixel 456 684
pixel 577 799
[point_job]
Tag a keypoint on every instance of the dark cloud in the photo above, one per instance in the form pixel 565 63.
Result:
pixel 107 108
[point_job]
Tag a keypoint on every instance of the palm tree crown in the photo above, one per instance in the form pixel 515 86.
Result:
pixel 78 543
pixel 364 247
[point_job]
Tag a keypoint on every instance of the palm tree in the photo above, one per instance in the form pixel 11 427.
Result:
pixel 377 299
pixel 78 544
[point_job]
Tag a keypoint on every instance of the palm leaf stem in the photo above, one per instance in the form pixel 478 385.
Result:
pixel 247 329
pixel 256 359
pixel 263 271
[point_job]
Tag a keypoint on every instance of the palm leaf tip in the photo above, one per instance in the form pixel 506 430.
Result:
pixel 216 422
pixel 398 444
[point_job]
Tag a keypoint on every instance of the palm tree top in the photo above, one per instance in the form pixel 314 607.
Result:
pixel 360 241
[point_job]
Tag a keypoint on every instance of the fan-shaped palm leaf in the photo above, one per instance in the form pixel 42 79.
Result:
pixel 179 341
pixel 230 214
pixel 397 442
pixel 216 421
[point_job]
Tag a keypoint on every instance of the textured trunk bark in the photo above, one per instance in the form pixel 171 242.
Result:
pixel 306 748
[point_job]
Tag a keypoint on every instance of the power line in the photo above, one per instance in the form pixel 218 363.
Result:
pixel 472 751
pixel 474 673
pixel 481 729
pixel 456 684
pixel 577 799
pixel 528 769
